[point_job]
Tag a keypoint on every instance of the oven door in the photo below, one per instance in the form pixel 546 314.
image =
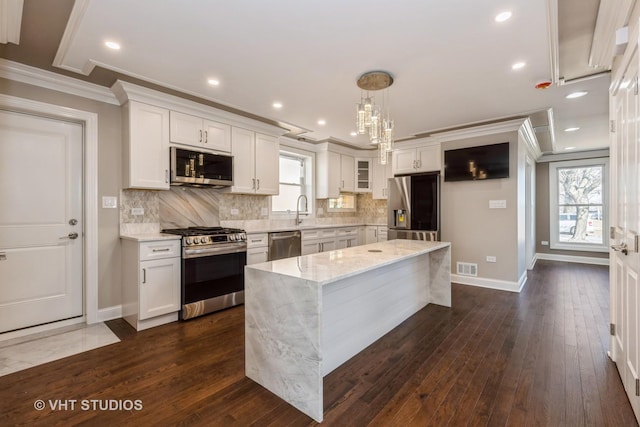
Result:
pixel 212 282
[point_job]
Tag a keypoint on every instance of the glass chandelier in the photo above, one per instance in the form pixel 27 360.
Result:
pixel 372 119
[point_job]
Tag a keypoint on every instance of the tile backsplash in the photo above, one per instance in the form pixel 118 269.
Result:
pixel 187 206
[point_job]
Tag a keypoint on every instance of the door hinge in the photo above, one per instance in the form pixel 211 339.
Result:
pixel 637 386
pixel 612 329
pixel 612 126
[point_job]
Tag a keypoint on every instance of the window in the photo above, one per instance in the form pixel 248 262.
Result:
pixel 344 203
pixel 578 218
pixel 295 173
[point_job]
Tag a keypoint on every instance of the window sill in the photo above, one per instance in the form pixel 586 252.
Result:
pixel 578 247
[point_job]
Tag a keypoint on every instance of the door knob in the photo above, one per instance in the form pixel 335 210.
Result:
pixel 71 236
pixel 621 248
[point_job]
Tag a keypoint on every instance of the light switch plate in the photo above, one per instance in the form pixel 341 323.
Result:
pixel 545 243
pixel 137 211
pixel 109 202
pixel 234 211
pixel 491 259
pixel 497 204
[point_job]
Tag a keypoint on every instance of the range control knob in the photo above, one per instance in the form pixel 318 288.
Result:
pixel 203 240
pixel 232 237
pixel 189 241
pixel 243 237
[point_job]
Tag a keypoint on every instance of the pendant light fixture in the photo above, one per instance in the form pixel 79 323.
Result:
pixel 373 119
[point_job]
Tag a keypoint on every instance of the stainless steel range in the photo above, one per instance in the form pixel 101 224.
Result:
pixel 213 260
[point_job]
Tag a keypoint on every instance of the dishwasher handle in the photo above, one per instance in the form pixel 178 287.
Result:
pixel 284 235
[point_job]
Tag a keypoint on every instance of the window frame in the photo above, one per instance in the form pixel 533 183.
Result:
pixel 335 210
pixel 309 165
pixel 554 206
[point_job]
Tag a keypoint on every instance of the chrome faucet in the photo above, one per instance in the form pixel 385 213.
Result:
pixel 306 206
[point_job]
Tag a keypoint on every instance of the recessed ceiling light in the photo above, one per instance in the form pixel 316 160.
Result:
pixel 503 16
pixel 577 94
pixel 322 122
pixel 213 82
pixel 518 65
pixel 277 105
pixel 571 129
pixel 112 45
pixel 570 148
pixel 354 133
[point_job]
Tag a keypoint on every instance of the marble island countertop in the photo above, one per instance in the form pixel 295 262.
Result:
pixel 327 267
pixel 149 237
pixel 306 227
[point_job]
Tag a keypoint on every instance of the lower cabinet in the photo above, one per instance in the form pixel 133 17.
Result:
pixel 318 240
pixel 347 237
pixel 151 282
pixel 257 248
pixel 375 233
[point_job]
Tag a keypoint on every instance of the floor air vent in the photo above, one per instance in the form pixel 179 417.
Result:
pixel 467 269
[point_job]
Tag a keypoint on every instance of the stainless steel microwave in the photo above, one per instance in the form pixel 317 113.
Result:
pixel 200 169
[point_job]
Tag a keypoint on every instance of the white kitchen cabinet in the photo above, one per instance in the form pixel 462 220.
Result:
pixel 362 235
pixel 318 240
pixel 145 146
pixel 198 132
pixel 381 175
pixel 375 233
pixel 256 162
pixel 335 173
pixel 420 159
pixel 257 248
pixel 346 237
pixel 151 282
pixel 364 175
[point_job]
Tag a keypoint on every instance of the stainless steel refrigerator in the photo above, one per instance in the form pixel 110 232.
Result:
pixel 413 207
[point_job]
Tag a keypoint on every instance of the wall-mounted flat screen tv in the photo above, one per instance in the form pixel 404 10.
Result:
pixel 477 163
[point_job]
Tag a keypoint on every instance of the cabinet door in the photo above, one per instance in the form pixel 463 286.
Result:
pixel 352 241
pixel 347 173
pixel 159 287
pixel 308 248
pixel 328 245
pixel 371 234
pixel 429 158
pixel 364 179
pixel 267 164
pixel 404 161
pixel 257 255
pixel 381 174
pixel 362 235
pixel 243 151
pixel 382 234
pixel 148 154
pixel 217 136
pixel 342 242
pixel 186 129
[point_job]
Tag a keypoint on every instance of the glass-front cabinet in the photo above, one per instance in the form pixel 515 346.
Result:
pixel 363 175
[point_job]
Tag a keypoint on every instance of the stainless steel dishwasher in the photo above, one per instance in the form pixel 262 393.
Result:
pixel 284 244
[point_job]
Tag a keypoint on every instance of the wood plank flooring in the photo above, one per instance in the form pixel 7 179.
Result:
pixel 495 358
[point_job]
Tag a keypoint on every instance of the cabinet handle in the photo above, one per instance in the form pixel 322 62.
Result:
pixel 200 135
pixel 162 250
pixel 419 163
pixel 166 176
pixel 144 275
pixel 206 137
pixel 321 247
pixel 253 186
pixel 3 256
pixel 258 181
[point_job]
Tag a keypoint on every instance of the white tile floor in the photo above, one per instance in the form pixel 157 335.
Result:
pixel 41 350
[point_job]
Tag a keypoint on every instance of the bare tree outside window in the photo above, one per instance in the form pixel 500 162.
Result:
pixel 580 204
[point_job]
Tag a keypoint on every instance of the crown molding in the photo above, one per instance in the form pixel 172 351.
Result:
pixel 75 19
pixel 46 79
pixel 531 142
pixel 125 92
pixel 476 131
pixel 612 15
pixel 10 20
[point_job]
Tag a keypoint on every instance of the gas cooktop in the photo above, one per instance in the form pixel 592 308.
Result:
pixel 208 235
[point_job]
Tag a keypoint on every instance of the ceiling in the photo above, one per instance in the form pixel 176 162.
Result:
pixel 451 61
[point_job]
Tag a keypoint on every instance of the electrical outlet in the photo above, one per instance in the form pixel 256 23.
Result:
pixel 491 259
pixel 137 211
pixel 545 243
pixel 234 211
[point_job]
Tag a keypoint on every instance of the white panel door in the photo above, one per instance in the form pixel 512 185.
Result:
pixel 41 215
pixel 625 221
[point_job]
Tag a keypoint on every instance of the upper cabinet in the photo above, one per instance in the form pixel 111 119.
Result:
pixel 335 173
pixel 202 133
pixel 381 175
pixel 145 146
pixel 363 175
pixel 255 162
pixel 413 160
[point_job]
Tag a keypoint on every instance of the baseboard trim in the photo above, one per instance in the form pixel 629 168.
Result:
pixel 109 313
pixel 481 282
pixel 573 258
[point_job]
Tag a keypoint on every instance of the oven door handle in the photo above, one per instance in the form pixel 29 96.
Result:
pixel 221 250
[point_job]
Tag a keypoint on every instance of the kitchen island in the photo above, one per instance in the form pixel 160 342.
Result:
pixel 307 315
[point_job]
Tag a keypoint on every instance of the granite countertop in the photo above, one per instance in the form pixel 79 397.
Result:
pixel 147 237
pixel 309 227
pixel 327 267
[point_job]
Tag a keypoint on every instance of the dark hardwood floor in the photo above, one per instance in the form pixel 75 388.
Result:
pixel 495 358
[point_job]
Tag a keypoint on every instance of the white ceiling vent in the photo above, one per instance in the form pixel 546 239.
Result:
pixel 10 21
pixel 467 269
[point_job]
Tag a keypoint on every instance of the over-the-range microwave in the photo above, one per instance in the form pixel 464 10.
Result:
pixel 200 169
